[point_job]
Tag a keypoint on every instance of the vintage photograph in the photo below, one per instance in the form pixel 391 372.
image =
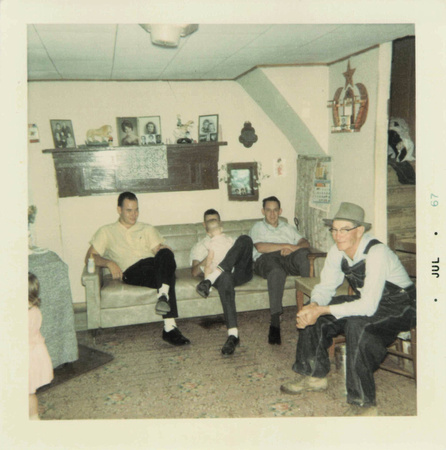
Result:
pixel 127 128
pixel 149 130
pixel 63 134
pixel 242 182
pixel 208 128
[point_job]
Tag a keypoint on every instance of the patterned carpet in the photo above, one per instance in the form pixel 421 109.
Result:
pixel 149 378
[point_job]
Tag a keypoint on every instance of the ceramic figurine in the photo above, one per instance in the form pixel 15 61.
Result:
pixel 100 135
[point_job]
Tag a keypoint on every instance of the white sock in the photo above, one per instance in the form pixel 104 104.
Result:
pixel 164 290
pixel 214 275
pixel 169 324
pixel 233 332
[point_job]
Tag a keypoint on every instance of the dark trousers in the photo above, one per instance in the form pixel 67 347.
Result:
pixel 367 339
pixel 274 268
pixel 239 258
pixel 152 273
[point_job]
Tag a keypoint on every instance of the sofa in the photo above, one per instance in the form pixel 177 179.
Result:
pixel 111 303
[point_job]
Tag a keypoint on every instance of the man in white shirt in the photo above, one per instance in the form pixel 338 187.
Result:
pixel 279 250
pixel 383 305
pixel 135 253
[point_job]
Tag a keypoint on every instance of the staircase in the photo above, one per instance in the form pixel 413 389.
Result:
pixel 401 220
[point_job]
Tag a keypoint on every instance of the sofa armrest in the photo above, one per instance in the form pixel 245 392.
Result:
pixel 314 253
pixel 93 283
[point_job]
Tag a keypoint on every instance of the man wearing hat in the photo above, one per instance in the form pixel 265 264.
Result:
pixel 383 305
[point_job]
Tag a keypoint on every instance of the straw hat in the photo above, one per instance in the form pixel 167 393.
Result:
pixel 350 212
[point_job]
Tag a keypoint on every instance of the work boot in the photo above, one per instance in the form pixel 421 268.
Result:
pixel 361 411
pixel 304 384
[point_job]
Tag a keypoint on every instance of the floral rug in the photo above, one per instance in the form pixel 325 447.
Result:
pixel 148 378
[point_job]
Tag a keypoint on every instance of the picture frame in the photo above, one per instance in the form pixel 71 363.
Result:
pixel 150 130
pixel 127 128
pixel 63 133
pixel 208 128
pixel 242 182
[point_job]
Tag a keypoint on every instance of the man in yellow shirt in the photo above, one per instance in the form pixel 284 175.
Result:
pixel 135 253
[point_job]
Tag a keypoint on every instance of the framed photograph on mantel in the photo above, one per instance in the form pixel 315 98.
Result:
pixel 63 134
pixel 127 128
pixel 242 182
pixel 208 128
pixel 150 130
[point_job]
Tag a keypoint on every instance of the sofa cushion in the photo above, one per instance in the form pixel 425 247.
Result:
pixel 116 294
pixel 180 238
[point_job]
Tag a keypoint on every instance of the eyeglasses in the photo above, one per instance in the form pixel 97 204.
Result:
pixel 342 231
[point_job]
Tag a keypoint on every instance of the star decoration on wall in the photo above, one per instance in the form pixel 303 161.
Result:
pixel 350 104
pixel 349 76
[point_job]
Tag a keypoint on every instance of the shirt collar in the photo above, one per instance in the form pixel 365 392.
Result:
pixel 361 247
pixel 132 228
pixel 270 227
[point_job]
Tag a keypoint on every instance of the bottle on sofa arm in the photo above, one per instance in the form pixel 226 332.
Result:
pixel 91 266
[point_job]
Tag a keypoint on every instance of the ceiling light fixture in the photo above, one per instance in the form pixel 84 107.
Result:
pixel 168 35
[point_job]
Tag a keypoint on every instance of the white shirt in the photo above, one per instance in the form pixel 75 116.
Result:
pixel 284 233
pixel 382 265
pixel 200 250
pixel 220 245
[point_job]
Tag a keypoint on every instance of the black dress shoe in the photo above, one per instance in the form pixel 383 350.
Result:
pixel 162 306
pixel 230 344
pixel 274 336
pixel 203 288
pixel 175 337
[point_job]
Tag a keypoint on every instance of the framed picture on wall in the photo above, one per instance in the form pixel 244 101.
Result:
pixel 242 182
pixel 127 128
pixel 63 134
pixel 149 130
pixel 208 128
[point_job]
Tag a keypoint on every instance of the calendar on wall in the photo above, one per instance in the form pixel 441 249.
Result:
pixel 321 192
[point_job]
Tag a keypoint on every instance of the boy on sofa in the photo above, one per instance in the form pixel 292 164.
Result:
pixel 234 270
pixel 218 246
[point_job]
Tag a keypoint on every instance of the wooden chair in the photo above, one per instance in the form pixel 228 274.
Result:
pixel 406 250
pixel 397 349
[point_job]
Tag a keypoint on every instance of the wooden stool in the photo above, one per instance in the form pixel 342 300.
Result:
pixel 304 286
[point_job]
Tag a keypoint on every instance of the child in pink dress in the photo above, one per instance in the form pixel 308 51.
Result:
pixel 40 365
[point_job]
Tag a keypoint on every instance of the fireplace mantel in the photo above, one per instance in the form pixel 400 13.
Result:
pixel 95 170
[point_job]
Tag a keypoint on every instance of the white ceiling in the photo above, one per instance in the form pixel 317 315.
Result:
pixel 125 52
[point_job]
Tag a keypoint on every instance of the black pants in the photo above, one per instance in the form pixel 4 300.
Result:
pixel 367 339
pixel 239 258
pixel 152 273
pixel 274 268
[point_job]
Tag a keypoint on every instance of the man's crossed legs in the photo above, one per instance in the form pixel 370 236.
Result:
pixel 235 270
pixel 159 273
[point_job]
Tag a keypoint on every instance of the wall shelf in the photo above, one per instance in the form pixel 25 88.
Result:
pixel 102 170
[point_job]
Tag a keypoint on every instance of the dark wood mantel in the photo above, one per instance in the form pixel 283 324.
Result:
pixel 102 170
